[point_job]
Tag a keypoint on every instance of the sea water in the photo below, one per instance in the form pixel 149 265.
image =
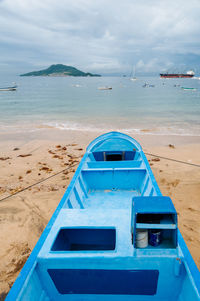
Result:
pixel 76 103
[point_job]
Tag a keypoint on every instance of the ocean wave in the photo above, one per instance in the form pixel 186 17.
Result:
pixel 72 126
pixel 140 131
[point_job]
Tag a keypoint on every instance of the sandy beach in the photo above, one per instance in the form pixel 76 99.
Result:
pixel 27 159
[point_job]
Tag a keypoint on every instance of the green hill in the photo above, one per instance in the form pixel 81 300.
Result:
pixel 59 70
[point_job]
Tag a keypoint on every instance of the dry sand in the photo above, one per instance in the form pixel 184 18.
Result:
pixel 25 160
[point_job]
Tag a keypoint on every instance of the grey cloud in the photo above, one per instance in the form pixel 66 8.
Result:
pixel 101 36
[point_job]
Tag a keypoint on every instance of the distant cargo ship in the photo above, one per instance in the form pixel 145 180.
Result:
pixel 189 74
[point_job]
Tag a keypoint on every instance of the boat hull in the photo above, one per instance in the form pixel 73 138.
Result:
pixel 9 89
pixel 88 251
pixel 176 75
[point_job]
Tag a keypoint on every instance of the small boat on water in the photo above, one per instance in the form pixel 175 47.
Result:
pixel 133 75
pixel 146 85
pixel 105 88
pixel 188 74
pixel 13 88
pixel 113 236
pixel 188 89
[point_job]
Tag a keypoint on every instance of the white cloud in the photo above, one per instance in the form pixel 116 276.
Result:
pixel 110 35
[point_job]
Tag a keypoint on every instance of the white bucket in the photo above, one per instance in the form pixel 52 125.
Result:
pixel 141 238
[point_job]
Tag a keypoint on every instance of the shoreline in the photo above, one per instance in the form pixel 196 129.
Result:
pixel 145 138
pixel 28 158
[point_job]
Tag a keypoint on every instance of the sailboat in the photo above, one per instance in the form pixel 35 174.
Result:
pixel 133 77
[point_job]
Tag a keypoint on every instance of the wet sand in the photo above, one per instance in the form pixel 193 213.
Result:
pixel 27 159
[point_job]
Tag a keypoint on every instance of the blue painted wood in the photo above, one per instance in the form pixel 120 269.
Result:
pixel 102 282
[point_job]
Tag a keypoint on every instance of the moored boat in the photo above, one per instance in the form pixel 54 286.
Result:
pixel 12 88
pixel 112 237
pixel 105 88
pixel 189 88
pixel 188 74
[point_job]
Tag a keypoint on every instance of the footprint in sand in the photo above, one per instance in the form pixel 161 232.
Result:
pixel 163 181
pixel 175 183
pixel 191 209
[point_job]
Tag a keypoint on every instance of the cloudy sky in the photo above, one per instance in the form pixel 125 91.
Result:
pixel 100 35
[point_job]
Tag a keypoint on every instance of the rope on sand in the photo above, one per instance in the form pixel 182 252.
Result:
pixel 43 180
pixel 174 160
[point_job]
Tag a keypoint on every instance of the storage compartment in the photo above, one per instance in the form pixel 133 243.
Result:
pixel 156 218
pixel 157 239
pixel 85 239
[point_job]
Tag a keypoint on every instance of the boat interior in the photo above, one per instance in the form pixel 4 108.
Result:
pixel 89 249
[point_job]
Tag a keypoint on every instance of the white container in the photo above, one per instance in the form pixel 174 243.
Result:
pixel 141 238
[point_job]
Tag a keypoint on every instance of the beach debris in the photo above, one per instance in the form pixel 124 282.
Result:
pixel 41 163
pixel 51 152
pixel 4 158
pixel 58 146
pixel 45 168
pixel 79 149
pixel 171 146
pixel 64 148
pixel 58 157
pixel 28 171
pixel 53 188
pixel 15 149
pixel 74 144
pixel 156 159
pixel 14 190
pixel 2 190
pixel 24 155
pixel 20 177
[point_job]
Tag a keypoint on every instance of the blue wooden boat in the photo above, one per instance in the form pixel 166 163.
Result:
pixel 112 237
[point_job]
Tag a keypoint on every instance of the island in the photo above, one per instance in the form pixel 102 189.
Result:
pixel 59 70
